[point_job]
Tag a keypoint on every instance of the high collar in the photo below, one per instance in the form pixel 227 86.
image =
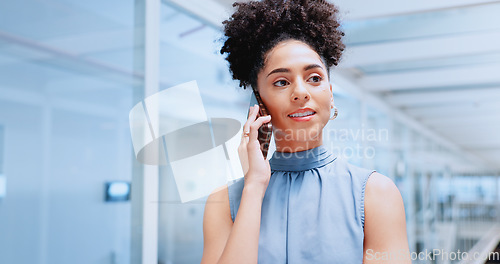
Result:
pixel 301 160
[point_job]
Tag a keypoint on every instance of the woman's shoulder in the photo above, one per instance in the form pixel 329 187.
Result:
pixel 218 194
pixel 225 199
pixel 217 224
pixel 378 182
pixel 218 199
pixel 380 187
pixel 217 206
pixel 385 222
pixel 381 193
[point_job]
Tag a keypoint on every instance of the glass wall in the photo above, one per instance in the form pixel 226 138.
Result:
pixel 189 51
pixel 66 88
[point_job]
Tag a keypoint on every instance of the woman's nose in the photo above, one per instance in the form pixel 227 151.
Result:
pixel 300 92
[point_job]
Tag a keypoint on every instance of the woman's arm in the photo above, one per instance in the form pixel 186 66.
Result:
pixel 225 242
pixel 217 225
pixel 238 242
pixel 385 223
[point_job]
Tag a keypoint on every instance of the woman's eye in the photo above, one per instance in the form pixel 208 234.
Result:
pixel 315 78
pixel 281 83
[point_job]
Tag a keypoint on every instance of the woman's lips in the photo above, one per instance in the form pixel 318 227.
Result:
pixel 303 118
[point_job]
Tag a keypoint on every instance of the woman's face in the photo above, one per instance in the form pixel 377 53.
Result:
pixel 294 81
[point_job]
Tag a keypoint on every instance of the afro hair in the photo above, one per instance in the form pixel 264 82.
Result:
pixel 257 26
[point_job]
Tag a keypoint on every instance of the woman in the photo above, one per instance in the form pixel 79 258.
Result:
pixel 303 205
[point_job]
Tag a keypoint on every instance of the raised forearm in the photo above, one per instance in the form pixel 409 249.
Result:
pixel 243 242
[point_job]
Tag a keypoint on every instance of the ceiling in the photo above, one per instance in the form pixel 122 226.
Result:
pixel 434 62
pixel 438 62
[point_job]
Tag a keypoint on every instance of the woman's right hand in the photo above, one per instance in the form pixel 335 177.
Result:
pixel 256 169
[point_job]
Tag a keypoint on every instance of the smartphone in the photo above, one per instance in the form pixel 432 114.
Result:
pixel 266 130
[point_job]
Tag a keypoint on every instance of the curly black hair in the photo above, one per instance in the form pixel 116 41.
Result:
pixel 257 26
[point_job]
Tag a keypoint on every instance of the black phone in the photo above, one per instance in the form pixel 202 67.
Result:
pixel 266 130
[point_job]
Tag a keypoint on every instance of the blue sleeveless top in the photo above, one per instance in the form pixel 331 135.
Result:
pixel 312 211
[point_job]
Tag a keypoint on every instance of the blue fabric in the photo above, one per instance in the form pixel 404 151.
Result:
pixel 312 211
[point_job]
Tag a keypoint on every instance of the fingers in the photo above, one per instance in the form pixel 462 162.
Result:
pixel 254 127
pixel 254 110
pixel 242 149
pixel 250 144
pixel 253 146
pixel 246 127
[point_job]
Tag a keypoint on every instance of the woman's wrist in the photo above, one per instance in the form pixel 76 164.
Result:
pixel 255 189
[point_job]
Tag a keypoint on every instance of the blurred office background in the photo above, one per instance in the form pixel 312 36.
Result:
pixel 422 75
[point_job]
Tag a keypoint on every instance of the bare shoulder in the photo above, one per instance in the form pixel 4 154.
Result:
pixel 219 193
pixel 383 200
pixel 380 186
pixel 217 205
pixel 385 220
pixel 217 224
pixel 384 207
pixel 380 183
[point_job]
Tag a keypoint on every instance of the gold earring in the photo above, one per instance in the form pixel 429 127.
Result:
pixel 335 113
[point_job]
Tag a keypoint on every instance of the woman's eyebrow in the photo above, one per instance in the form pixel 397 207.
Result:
pixel 306 68
pixel 312 66
pixel 278 70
